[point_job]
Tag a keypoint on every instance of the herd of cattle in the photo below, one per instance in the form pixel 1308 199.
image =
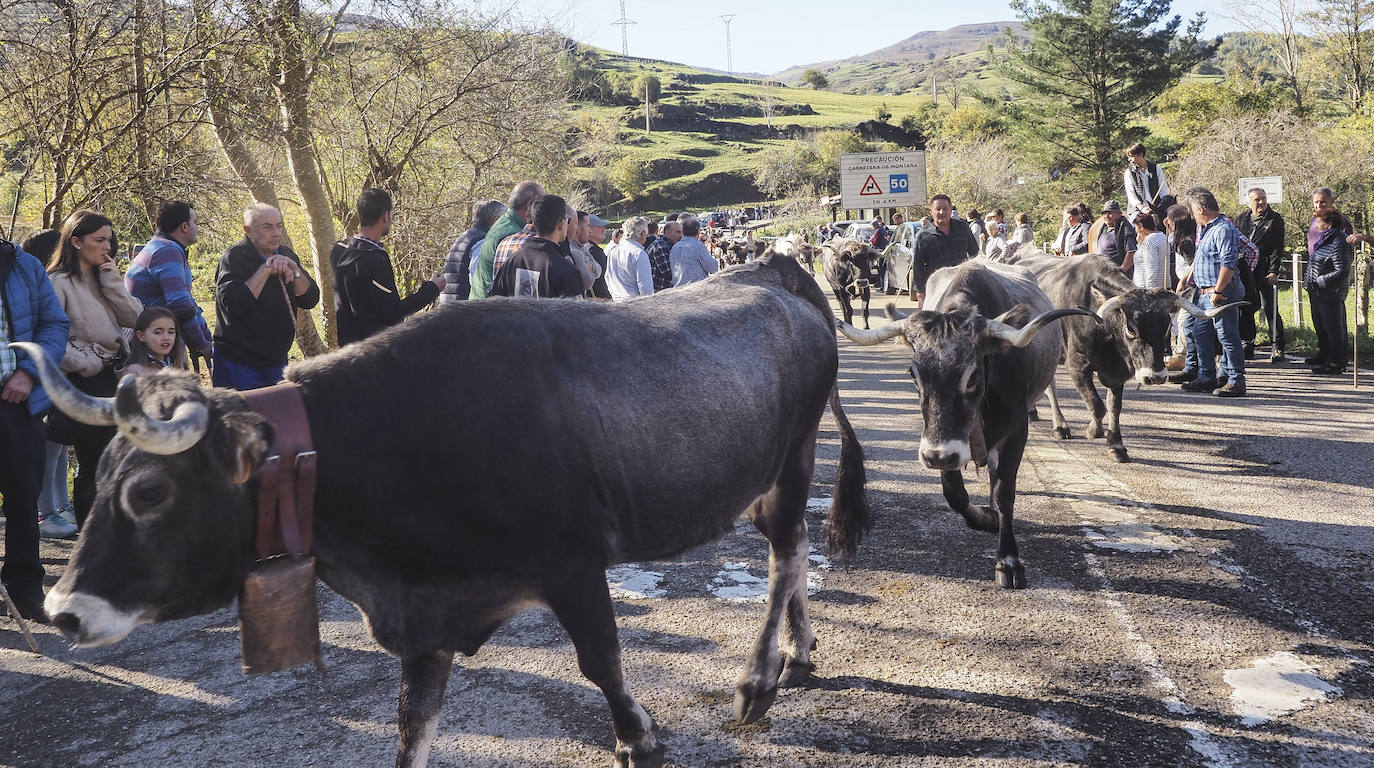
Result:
pixel 562 479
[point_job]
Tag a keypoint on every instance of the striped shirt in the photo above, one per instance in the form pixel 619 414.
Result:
pixel 160 276
pixel 1152 262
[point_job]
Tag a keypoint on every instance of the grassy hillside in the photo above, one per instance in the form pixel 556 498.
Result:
pixel 713 125
pixel 908 65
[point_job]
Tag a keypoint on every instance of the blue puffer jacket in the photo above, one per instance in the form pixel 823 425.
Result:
pixel 33 312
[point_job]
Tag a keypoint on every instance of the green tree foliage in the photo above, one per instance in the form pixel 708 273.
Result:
pixel 815 78
pixel 1346 31
pixel 1193 105
pixel 628 176
pixel 970 121
pixel 1091 66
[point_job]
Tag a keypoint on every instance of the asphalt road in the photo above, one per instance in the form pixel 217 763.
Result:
pixel 1210 603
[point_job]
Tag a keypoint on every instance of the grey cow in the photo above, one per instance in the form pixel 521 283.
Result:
pixel 562 436
pixel 1130 340
pixel 979 362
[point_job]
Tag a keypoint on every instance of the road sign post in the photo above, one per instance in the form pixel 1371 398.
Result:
pixel 883 179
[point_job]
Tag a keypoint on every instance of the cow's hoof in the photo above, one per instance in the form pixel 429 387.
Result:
pixel 1061 433
pixel 1011 576
pixel 1033 415
pixel 639 755
pixel 1094 431
pixel 1119 453
pixel 752 701
pixel 795 673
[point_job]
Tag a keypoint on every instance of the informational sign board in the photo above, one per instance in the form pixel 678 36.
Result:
pixel 883 179
pixel 1272 186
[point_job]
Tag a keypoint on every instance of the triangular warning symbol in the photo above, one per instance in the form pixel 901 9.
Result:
pixel 871 187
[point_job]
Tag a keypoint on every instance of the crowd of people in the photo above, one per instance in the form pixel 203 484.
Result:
pixel 62 290
pixel 1187 245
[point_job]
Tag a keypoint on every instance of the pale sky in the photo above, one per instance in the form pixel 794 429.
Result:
pixel 771 35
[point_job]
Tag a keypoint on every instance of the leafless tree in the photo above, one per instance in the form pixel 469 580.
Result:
pixel 1277 24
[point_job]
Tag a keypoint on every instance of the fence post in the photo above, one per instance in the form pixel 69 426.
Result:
pixel 1361 320
pixel 1297 292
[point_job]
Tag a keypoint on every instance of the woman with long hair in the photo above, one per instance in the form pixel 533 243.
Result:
pixel 88 283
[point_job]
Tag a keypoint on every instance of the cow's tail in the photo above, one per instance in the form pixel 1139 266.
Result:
pixel 849 517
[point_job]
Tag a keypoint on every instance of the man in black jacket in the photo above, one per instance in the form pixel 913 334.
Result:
pixel 259 285
pixel 596 235
pixel 540 269
pixel 365 295
pixel 458 265
pixel 1264 226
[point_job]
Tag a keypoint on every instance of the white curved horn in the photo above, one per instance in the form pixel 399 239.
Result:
pixel 186 427
pixel 869 338
pixel 81 407
pixel 1021 337
pixel 1109 305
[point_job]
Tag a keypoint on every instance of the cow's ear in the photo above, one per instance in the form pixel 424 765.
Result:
pixel 250 439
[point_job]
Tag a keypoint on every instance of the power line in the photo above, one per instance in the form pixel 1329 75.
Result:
pixel 624 23
pixel 729 60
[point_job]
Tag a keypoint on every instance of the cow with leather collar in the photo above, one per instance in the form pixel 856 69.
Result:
pixel 979 361
pixel 1129 341
pixel 850 265
pixel 566 478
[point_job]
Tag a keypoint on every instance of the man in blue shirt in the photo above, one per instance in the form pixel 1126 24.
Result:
pixel 1214 272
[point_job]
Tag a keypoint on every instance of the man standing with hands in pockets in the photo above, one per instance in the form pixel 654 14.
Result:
pixel 259 285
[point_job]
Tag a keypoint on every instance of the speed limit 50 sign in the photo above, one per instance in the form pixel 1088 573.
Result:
pixel 883 179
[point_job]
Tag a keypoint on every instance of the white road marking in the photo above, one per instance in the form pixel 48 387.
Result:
pixel 630 582
pixel 1275 686
pixel 1075 476
pixel 736 584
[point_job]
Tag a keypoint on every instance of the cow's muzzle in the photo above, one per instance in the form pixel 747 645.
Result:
pixel 947 456
pixel 1147 376
pixel 87 620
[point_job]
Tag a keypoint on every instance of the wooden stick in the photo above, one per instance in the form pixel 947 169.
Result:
pixel 14 611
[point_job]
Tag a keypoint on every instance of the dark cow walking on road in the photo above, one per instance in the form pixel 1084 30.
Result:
pixel 565 478
pixel 979 362
pixel 1130 339
pixel 850 266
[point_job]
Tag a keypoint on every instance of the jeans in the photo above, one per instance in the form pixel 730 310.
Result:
pixel 21 475
pixel 53 497
pixel 1224 328
pixel 242 377
pixel 1188 330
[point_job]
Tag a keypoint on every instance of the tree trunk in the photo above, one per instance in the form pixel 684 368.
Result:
pixel 260 185
pixel 292 86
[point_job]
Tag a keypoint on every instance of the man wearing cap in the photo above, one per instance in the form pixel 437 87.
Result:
pixel 596 235
pixel 1112 236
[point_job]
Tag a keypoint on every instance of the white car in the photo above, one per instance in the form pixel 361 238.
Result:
pixel 897 258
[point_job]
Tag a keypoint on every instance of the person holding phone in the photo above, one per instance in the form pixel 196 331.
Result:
pixel 91 290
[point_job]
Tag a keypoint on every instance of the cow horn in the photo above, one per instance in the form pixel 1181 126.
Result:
pixel 1197 311
pixel 893 313
pixel 81 407
pixel 186 427
pixel 869 338
pixel 1109 305
pixel 1021 337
